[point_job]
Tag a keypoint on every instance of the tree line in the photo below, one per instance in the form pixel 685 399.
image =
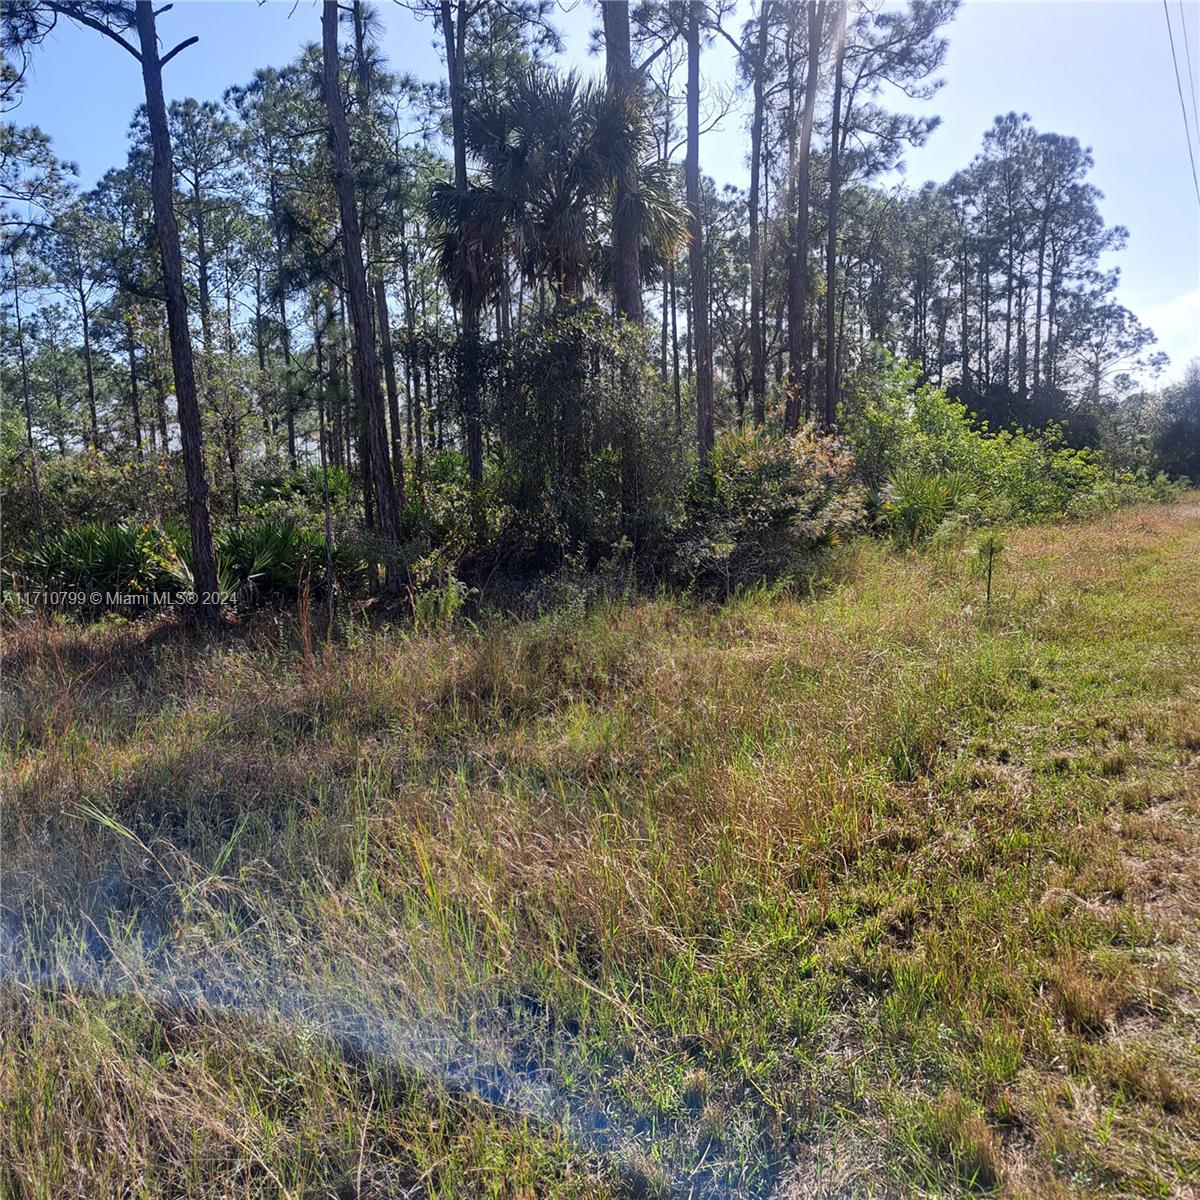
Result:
pixel 340 265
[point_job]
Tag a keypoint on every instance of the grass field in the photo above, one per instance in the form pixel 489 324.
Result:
pixel 873 891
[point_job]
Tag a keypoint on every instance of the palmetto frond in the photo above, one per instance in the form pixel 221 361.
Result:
pixel 552 150
pixel 660 218
pixel 659 211
pixel 471 227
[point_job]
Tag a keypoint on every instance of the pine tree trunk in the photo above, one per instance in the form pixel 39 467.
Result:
pixel 839 53
pixel 25 395
pixel 454 33
pixel 34 482
pixel 699 267
pixel 383 319
pixel 964 327
pixel 261 351
pixel 665 333
pixel 202 267
pixel 204 569
pixel 1022 341
pixel 985 300
pixel 89 370
pixel 323 453
pixel 1037 310
pixel 675 355
pixel 134 400
pixel 378 289
pixel 366 364
pixel 289 404
pixel 758 348
pixel 799 297
pixel 618 69
pixel 412 373
pixel 285 336
pixel 160 393
pixel 232 423
pixel 1008 316
pixel 1048 370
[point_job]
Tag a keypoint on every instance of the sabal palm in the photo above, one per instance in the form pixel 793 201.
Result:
pixel 659 216
pixel 551 150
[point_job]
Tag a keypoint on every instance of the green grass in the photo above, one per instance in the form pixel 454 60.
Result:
pixel 872 892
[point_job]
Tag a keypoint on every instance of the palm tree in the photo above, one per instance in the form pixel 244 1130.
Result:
pixel 658 216
pixel 552 152
pixel 472 260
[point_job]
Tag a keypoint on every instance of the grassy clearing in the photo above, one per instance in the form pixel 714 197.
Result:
pixel 873 892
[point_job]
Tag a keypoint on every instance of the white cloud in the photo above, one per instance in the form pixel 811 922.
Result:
pixel 1177 324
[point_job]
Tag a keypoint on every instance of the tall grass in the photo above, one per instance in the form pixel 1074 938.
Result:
pixel 823 893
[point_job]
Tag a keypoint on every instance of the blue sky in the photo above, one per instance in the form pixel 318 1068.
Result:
pixel 1096 69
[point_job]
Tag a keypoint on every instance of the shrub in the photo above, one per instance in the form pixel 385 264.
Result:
pixel 764 501
pixel 1175 438
pixel 263 558
pixel 437 604
pixel 440 511
pixel 109 558
pixel 305 486
pixel 296 498
pixel 252 560
pixel 917 504
pixel 87 488
pixel 587 456
pixel 910 441
pixel 270 557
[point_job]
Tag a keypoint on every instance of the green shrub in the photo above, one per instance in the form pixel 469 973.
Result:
pixel 1175 427
pixel 130 559
pixel 87 488
pixel 441 513
pixel 253 560
pixel 296 499
pixel 764 501
pixel 906 437
pixel 438 604
pixel 304 485
pixel 263 558
pixel 586 457
pixel 269 557
pixel 917 503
